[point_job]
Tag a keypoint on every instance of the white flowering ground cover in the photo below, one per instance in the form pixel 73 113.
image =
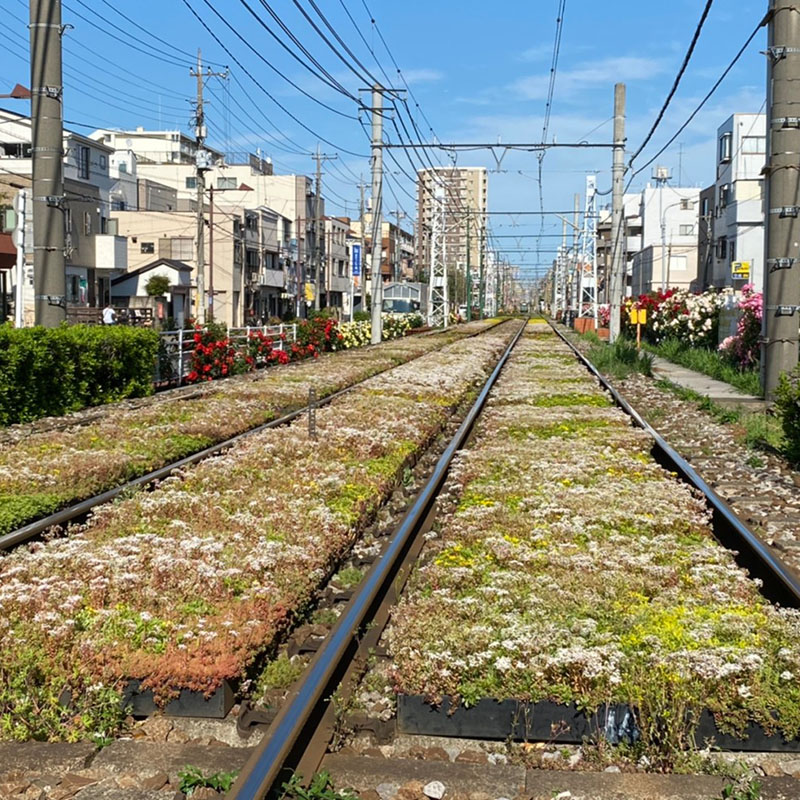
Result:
pixel 46 471
pixel 570 567
pixel 185 586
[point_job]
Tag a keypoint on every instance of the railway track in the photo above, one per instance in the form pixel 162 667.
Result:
pixel 298 737
pixel 75 512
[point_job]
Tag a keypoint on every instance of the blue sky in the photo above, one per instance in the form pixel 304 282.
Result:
pixel 478 70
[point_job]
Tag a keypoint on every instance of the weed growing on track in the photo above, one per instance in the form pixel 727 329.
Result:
pixel 570 567
pixel 619 360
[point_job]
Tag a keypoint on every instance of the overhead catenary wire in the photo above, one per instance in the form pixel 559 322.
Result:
pixel 676 82
pixel 261 88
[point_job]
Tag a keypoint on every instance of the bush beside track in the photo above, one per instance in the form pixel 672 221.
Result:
pixel 52 371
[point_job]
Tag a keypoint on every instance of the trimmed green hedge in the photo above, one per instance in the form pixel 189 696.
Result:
pixel 51 371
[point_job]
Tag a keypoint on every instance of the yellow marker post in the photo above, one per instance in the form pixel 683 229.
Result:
pixel 638 317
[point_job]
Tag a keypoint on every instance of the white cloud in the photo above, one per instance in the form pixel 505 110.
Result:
pixel 591 74
pixel 422 75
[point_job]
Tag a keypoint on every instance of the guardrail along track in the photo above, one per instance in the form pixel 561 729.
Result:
pixel 299 735
pixel 77 511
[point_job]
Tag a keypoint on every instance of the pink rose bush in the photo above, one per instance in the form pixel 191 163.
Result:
pixel 744 348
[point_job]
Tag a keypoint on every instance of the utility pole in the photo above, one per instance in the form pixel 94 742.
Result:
pixel 202 165
pixel 469 276
pixel 377 222
pixel 617 213
pixel 211 254
pixel 319 232
pixel 779 351
pixel 662 176
pixel 49 274
pixel 576 264
pixel 482 274
pixel 362 264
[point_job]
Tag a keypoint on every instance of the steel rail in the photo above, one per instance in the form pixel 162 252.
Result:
pixel 292 732
pixel 37 527
pixel 779 583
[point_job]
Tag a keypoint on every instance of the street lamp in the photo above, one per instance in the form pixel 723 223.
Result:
pixel 664 269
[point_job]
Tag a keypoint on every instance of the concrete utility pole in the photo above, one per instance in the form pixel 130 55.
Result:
pixel 617 213
pixel 377 222
pixel 469 277
pixel 779 352
pixel 482 273
pixel 202 165
pixel 576 264
pixel 362 264
pixel 49 274
pixel 319 250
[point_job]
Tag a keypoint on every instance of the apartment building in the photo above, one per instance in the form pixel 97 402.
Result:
pixel 94 252
pixel 731 245
pixel 237 182
pixel 338 278
pixel 397 249
pixel 632 221
pixel 667 257
pixel 456 198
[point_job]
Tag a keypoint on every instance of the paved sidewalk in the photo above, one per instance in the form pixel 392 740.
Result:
pixel 721 393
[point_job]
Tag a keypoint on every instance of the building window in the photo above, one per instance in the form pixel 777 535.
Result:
pixel 725 147
pixel 754 145
pixel 686 204
pixel 226 183
pixel 83 162
pixel 724 195
pixel 177 247
pixel 103 162
pixel 123 166
pixel 732 251
pixel 686 230
pixel 87 223
pixel 191 182
pixel 722 248
pixel 704 207
pixel 147 247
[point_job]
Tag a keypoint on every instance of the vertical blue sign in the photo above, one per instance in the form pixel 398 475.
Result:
pixel 356 260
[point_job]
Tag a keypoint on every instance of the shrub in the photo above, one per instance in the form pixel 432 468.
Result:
pixel 52 371
pixel 743 349
pixel 787 404
pixel 157 286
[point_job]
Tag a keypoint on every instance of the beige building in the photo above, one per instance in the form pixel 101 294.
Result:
pixel 464 195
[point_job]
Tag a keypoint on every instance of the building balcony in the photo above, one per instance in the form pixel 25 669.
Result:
pixel 111 252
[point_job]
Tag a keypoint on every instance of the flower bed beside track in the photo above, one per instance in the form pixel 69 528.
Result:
pixel 187 585
pixel 571 568
pixel 43 472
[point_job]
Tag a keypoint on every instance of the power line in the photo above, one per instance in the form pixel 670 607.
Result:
pixel 676 82
pixel 702 102
pixel 278 72
pixel 262 89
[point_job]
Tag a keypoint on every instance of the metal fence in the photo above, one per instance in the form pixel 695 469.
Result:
pixel 175 349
